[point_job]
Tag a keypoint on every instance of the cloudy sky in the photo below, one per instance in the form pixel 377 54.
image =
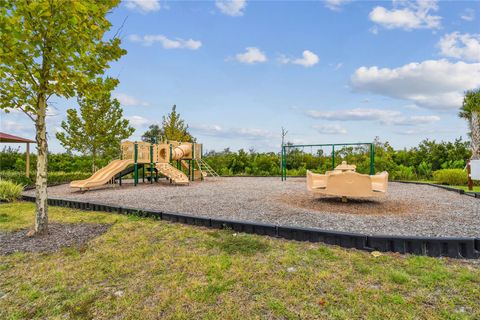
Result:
pixel 331 71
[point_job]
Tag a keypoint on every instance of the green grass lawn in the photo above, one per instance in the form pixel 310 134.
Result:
pixel 475 188
pixel 147 269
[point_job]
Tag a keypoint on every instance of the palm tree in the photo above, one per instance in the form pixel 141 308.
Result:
pixel 470 111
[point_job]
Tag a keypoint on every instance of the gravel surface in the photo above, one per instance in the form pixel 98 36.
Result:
pixel 407 209
pixel 59 236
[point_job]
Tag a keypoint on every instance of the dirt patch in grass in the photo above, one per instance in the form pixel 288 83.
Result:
pixel 60 235
pixel 361 206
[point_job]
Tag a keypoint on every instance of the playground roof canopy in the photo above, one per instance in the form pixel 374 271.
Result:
pixel 5 137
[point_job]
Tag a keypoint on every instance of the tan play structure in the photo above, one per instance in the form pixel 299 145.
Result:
pixel 344 182
pixel 179 162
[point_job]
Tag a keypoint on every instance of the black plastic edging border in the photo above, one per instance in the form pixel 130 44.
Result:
pixel 463 248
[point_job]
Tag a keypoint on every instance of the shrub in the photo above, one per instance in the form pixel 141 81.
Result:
pixel 425 170
pixel 17 177
pixel 10 191
pixel 65 177
pixel 300 172
pixel 403 173
pixel 452 177
pixel 54 177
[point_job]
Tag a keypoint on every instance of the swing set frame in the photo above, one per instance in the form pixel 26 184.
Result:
pixel 333 145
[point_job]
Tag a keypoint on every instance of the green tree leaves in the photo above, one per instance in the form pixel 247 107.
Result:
pixel 153 135
pixel 173 129
pixel 100 126
pixel 470 111
pixel 51 48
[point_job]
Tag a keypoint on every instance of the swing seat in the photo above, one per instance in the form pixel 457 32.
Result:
pixel 347 184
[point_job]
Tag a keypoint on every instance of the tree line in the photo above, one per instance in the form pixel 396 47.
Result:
pixel 416 163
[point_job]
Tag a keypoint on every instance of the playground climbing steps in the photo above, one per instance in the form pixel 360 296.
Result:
pixel 102 176
pixel 171 172
pixel 205 168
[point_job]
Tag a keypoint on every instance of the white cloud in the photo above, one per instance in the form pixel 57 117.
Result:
pixel 330 129
pixel 219 131
pixel 461 46
pixel 139 121
pixel 413 120
pixel 387 117
pixel 308 59
pixel 128 101
pixel 251 55
pixel 407 15
pixel 412 106
pixel 143 5
pixel 468 15
pixel 177 43
pixel 433 84
pixel 14 126
pixel 336 5
pixel 234 8
pixel 416 132
pixel 357 114
pixel 374 30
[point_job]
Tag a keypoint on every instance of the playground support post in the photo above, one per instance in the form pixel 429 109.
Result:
pixel 372 159
pixel 170 161
pixel 284 163
pixel 192 163
pixel 201 157
pixel 151 163
pixel 120 177
pixel 333 157
pixel 135 165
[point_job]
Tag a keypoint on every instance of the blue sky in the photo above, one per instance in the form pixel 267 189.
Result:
pixel 331 71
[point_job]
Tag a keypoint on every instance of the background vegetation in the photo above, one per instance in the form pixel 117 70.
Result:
pixel 417 163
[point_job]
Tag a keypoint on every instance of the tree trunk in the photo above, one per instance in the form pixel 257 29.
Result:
pixel 94 156
pixel 475 135
pixel 41 217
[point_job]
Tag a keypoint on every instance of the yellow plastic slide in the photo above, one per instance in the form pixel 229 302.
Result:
pixel 103 175
pixel 173 173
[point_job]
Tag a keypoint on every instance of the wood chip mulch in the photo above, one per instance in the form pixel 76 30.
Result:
pixel 59 236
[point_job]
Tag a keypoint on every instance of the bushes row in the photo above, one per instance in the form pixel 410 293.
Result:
pixel 10 191
pixel 53 177
pixel 12 159
pixel 453 177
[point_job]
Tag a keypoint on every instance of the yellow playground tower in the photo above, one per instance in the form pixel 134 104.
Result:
pixel 180 162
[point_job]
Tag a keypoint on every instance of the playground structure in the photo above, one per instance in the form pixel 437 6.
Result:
pixel 342 181
pixel 180 162
pixel 371 147
pixel 345 182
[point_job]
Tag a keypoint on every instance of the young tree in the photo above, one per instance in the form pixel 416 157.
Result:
pixel 153 135
pixel 51 48
pixel 99 128
pixel 471 112
pixel 174 127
